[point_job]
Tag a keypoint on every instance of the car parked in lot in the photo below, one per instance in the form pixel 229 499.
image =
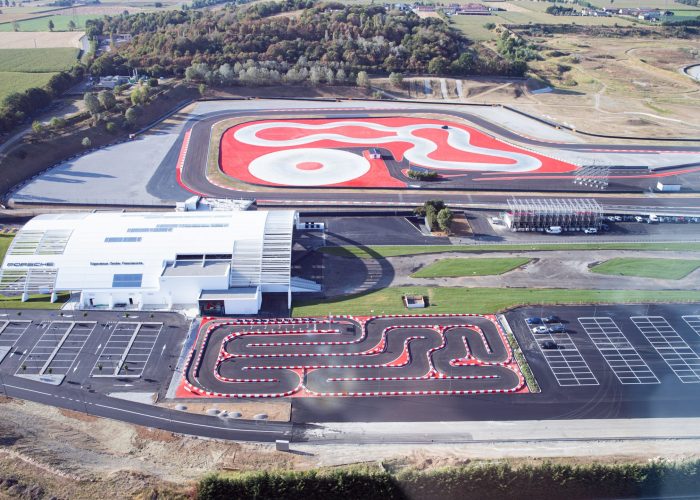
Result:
pixel 558 328
pixel 590 230
pixel 549 344
pixel 553 230
pixel 551 319
pixel 540 329
pixel 534 320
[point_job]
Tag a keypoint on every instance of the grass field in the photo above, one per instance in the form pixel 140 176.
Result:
pixel 17 82
pixel 479 300
pixel 4 245
pixel 454 268
pixel 379 251
pixel 60 22
pixel 41 301
pixel 672 269
pixel 37 60
pixel 525 12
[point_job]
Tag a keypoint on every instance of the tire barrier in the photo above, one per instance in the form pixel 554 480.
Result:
pixel 438 353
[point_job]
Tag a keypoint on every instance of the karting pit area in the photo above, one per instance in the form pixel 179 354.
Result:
pixel 369 152
pixel 429 355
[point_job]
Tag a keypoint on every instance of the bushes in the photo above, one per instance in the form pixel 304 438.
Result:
pixel 490 481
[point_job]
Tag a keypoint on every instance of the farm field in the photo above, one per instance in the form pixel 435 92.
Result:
pixel 17 82
pixel 672 269
pixel 37 60
pixel 40 40
pixel 60 22
pixel 452 268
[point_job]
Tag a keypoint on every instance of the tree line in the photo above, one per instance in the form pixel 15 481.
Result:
pixel 355 37
pixel 656 479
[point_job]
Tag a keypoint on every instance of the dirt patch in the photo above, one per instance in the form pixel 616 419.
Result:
pixel 277 411
pixel 77 415
pixel 151 434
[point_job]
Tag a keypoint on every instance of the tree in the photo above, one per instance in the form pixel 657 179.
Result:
pixel 107 99
pixel 396 79
pixel 362 79
pixel 153 82
pixel 71 25
pixel 57 123
pixel 444 219
pixel 51 25
pixel 86 142
pixel 15 26
pixel 37 127
pixel 438 65
pixel 139 95
pixel 131 115
pixel 91 103
pixel 111 127
pixel 430 216
pixel 202 89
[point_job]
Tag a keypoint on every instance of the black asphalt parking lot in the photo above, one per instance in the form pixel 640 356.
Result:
pixel 105 351
pixel 374 230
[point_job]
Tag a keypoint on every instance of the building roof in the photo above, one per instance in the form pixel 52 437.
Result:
pixel 86 250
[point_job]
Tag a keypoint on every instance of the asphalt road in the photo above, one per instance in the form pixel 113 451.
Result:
pixel 194 169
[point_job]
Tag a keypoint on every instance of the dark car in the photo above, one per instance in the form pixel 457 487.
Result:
pixel 557 328
pixel 551 319
pixel 549 344
pixel 533 321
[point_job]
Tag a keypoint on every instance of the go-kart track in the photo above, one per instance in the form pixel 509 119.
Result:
pixel 430 355
pixel 317 152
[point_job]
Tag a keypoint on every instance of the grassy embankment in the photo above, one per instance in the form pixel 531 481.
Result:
pixel 671 269
pixel 480 300
pixel 455 268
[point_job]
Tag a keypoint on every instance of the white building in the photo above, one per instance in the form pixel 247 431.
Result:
pixel 221 261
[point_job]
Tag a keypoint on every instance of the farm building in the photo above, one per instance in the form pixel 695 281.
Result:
pixel 220 261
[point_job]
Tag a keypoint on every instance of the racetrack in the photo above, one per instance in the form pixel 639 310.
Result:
pixel 350 357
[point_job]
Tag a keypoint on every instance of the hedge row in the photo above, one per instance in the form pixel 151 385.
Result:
pixel 492 481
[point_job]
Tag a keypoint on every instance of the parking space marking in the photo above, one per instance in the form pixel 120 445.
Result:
pixel 566 362
pixel 128 349
pixel 693 323
pixel 57 348
pixel 620 355
pixel 675 351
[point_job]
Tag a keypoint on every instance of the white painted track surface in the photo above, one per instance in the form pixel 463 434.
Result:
pixel 418 154
pixel 333 167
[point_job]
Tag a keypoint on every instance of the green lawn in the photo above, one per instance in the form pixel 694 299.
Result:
pixel 382 251
pixel 479 300
pixel 453 268
pixel 39 301
pixel 37 60
pixel 5 241
pixel 19 82
pixel 60 22
pixel 672 269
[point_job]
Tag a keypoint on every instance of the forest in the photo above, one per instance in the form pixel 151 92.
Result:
pixel 328 37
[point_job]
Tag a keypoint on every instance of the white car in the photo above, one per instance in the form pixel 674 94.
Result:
pixel 553 230
pixel 540 329
pixel 590 230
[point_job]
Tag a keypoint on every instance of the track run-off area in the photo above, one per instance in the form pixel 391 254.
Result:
pixel 344 356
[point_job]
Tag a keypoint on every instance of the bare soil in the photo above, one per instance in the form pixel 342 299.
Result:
pixel 277 411
pixel 40 40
